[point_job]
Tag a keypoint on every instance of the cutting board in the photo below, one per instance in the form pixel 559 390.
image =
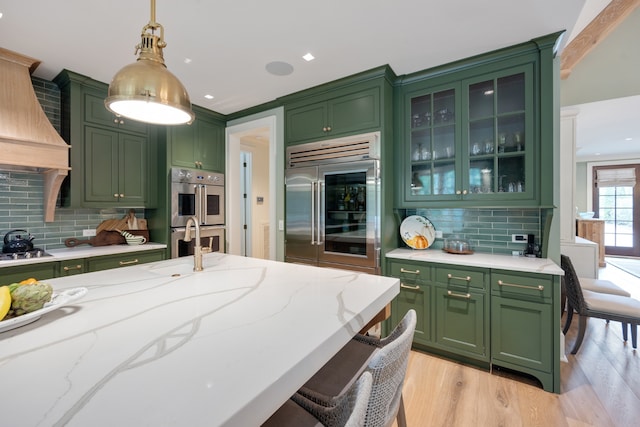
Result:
pixel 103 238
pixel 122 224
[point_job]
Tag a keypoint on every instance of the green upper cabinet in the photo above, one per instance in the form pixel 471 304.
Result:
pixel 475 133
pixel 200 145
pixel 112 158
pixel 345 114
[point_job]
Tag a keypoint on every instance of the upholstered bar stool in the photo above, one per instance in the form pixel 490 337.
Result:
pixel 347 410
pixel 386 359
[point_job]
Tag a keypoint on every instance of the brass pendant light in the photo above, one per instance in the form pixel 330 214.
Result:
pixel 145 90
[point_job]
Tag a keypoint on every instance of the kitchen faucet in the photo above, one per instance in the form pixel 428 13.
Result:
pixel 197 247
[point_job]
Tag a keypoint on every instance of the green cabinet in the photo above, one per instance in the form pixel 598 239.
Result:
pixel 112 159
pixel 482 315
pixel 107 262
pixel 346 114
pixel 17 273
pixel 71 267
pixel 115 167
pixel 522 319
pixel 199 145
pixel 477 132
pixel 415 293
pixel 461 311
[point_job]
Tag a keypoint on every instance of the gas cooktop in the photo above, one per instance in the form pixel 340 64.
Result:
pixel 34 253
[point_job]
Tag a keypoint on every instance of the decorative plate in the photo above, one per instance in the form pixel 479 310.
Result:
pixel 417 232
pixel 57 300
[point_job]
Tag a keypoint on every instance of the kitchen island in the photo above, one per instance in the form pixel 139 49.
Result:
pixel 158 344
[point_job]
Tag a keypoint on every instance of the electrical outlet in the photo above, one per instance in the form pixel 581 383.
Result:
pixel 519 238
pixel 516 253
pixel 280 225
pixel 89 232
pixel 438 234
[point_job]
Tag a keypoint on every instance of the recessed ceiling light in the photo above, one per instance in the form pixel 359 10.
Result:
pixel 308 57
pixel 187 60
pixel 628 139
pixel 0 15
pixel 208 96
pixel 597 154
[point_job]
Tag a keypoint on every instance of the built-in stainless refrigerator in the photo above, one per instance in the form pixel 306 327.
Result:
pixel 332 214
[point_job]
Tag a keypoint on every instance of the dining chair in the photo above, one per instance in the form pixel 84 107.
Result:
pixel 386 359
pixel 347 410
pixel 598 305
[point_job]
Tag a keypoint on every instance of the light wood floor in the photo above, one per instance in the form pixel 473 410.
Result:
pixel 600 386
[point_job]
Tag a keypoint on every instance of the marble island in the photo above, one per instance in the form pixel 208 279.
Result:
pixel 158 344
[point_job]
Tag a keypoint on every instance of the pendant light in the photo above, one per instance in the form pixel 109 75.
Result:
pixel 145 90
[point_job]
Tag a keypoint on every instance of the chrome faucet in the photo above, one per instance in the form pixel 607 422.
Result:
pixel 197 247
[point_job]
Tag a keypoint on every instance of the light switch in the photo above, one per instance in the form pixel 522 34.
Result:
pixel 281 225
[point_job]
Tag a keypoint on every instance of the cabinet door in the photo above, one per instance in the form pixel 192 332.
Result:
pixel 211 146
pixel 415 293
pixel 356 112
pixel 433 146
pixel 96 112
pixel 521 333
pixel 101 166
pixel 183 145
pixel 132 176
pixel 40 271
pixel 71 267
pixel 461 326
pixel 306 123
pixel 498 136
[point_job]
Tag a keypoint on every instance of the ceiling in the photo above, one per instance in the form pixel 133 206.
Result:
pixel 229 43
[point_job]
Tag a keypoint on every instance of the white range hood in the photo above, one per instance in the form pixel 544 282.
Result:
pixel 28 141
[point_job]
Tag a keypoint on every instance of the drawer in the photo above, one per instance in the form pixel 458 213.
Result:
pixel 72 267
pixel 124 260
pixel 462 277
pixel 529 285
pixel 410 273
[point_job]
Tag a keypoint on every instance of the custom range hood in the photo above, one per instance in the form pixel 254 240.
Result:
pixel 28 141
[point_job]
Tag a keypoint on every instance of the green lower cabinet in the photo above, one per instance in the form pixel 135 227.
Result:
pixel 415 293
pixel 461 322
pixel 71 267
pixel 483 316
pixel 124 260
pixel 41 271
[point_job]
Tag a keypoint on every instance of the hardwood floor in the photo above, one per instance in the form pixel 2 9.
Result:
pixel 600 386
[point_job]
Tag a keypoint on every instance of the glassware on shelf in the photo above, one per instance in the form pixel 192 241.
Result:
pixel 475 149
pixel 416 121
pixel 502 141
pixel 425 153
pixel 517 140
pixel 486 180
pixel 488 147
pixel 417 153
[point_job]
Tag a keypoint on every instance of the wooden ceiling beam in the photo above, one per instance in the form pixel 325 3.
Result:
pixel 596 31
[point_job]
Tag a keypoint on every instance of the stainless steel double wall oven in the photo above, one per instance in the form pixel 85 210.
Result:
pixel 201 194
pixel 333 203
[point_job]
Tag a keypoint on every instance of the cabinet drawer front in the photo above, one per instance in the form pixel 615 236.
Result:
pixel 410 274
pixel 71 267
pixel 531 286
pixel 419 299
pixel 124 260
pixel 462 277
pixel 461 325
pixel 40 271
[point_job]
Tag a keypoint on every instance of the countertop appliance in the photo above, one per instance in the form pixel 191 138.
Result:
pixel 196 193
pixel 332 213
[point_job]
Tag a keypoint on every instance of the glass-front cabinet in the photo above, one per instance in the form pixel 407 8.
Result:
pixel 472 140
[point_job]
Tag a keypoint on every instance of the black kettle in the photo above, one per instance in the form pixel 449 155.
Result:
pixel 14 242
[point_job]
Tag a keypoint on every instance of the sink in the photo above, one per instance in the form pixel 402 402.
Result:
pixel 178 269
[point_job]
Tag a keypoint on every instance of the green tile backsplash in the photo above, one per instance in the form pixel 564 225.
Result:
pixel 21 193
pixel 489 230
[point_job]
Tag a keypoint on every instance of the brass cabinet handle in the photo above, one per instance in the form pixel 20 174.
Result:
pixel 450 276
pixel 413 288
pixel 514 285
pixel 402 270
pixel 121 196
pixel 115 195
pixel 77 267
pixel 135 261
pixel 453 294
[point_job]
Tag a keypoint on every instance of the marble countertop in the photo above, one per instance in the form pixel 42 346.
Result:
pixel 503 262
pixel 158 344
pixel 83 251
